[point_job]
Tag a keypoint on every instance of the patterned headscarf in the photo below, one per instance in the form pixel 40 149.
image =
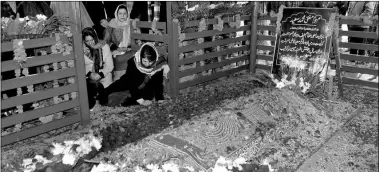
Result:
pixel 159 64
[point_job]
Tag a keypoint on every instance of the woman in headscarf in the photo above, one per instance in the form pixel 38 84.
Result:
pixel 98 62
pixel 143 77
pixel 117 35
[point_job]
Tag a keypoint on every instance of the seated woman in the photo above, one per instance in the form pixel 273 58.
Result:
pixel 98 62
pixel 143 77
pixel 117 35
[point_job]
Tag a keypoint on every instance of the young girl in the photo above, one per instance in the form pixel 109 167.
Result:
pixel 143 77
pixel 98 62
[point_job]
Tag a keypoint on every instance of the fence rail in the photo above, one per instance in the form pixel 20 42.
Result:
pixel 35 61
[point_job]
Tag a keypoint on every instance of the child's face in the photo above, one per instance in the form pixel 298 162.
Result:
pixel 146 62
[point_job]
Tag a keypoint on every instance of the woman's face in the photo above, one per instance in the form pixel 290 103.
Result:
pixel 146 62
pixel 122 14
pixel 89 41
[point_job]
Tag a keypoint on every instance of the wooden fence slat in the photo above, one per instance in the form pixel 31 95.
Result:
pixel 266 37
pixel 38 78
pixel 269 28
pixel 265 57
pixel 149 37
pixel 34 43
pixel 369 59
pixel 145 24
pixel 214 21
pixel 371 47
pixel 29 115
pixel 173 55
pixel 264 67
pixel 359 70
pixel 81 80
pixel 254 38
pixel 211 55
pixel 353 69
pixel 36 96
pixel 358 34
pixel 212 76
pixel 213 44
pixel 14 137
pixel 212 66
pixel 351 81
pixel 161 49
pixel 354 22
pixel 196 35
pixel 35 61
pixel 265 47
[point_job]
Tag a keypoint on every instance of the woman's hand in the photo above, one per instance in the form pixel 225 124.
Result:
pixel 104 23
pixel 95 76
pixel 124 49
pixel 86 50
pixel 146 102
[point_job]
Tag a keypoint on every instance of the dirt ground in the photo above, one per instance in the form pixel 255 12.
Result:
pixel 291 131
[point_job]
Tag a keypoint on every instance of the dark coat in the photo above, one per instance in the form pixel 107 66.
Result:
pixel 132 80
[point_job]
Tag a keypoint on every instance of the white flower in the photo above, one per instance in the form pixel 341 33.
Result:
pixel 219 169
pixel 170 167
pixel 237 163
pixel 69 159
pixel 267 162
pixel 42 159
pixel 27 162
pixel 103 167
pixel 280 85
pixel 32 23
pixel 189 168
pixel 154 168
pixel 139 169
pixel 193 8
pixel 245 2
pixel 58 149
pixel 212 6
pixel 41 17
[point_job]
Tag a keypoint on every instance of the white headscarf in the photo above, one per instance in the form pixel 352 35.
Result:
pixel 160 62
pixel 115 23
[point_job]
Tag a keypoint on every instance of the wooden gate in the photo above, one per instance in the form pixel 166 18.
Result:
pixel 46 92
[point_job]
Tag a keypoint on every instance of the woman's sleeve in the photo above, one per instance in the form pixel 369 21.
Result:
pixel 122 84
pixel 108 61
pixel 87 62
pixel 157 85
pixel 108 39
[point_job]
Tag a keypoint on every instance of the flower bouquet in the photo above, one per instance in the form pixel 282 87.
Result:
pixel 31 27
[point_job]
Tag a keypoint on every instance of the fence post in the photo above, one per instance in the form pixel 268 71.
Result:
pixel 253 38
pixel 172 33
pixel 81 80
